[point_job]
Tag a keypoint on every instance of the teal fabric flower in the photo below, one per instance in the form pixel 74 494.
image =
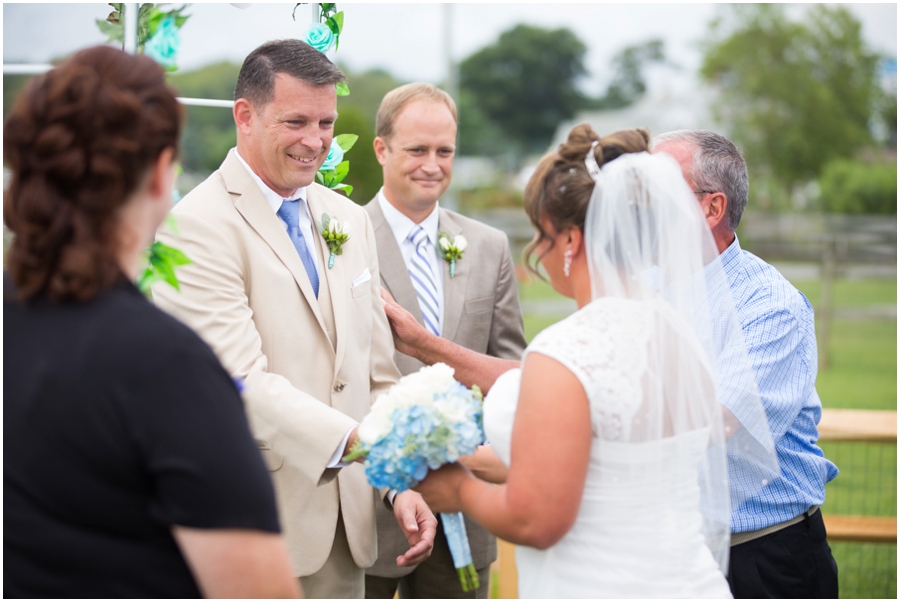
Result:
pixel 320 37
pixel 163 46
pixel 334 158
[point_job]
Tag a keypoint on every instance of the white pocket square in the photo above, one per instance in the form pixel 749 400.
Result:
pixel 364 277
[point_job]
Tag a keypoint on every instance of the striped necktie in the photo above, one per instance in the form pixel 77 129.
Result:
pixel 290 213
pixel 423 279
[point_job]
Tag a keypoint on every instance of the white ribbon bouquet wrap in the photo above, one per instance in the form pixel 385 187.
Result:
pixel 426 420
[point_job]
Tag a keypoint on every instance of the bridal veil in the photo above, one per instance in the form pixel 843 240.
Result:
pixel 646 238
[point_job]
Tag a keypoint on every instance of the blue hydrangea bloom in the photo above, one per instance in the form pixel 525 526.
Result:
pixel 423 436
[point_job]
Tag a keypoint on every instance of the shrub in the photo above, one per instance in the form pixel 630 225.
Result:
pixel 859 187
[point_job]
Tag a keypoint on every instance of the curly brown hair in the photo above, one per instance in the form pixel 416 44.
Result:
pixel 80 140
pixel 561 187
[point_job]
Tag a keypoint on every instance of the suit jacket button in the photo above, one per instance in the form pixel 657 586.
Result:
pixel 339 386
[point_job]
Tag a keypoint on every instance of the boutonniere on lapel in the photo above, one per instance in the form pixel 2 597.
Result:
pixel 452 249
pixel 335 234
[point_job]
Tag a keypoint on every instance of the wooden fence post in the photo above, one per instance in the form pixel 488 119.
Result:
pixel 825 310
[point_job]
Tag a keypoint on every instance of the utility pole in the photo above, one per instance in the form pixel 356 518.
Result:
pixel 450 199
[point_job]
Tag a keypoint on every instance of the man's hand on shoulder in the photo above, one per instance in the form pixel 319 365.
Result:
pixel 419 525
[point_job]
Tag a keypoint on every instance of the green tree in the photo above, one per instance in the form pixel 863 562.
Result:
pixel 366 91
pixel 365 172
pixel 477 135
pixel 208 131
pixel 859 187
pixel 526 82
pixel 796 95
pixel 12 85
pixel 356 115
pixel 628 83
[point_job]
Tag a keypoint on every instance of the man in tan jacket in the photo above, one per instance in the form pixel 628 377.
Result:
pixel 311 342
pixel 476 305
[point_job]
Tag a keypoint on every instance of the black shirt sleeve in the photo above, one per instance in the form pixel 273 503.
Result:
pixel 189 425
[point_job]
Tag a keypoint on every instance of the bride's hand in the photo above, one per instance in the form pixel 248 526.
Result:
pixel 440 488
pixel 486 465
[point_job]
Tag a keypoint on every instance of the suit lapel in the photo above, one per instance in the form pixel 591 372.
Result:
pixel 394 275
pixel 454 288
pixel 256 211
pixel 337 279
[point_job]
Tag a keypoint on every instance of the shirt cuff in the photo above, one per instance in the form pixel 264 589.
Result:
pixel 335 461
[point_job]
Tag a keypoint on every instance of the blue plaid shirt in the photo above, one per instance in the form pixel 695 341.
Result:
pixel 779 330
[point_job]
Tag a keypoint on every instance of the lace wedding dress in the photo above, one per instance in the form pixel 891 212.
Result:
pixel 639 530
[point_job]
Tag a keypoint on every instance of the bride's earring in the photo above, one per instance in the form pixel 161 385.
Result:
pixel 567 265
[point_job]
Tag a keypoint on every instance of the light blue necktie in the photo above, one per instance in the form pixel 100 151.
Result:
pixel 290 213
pixel 423 279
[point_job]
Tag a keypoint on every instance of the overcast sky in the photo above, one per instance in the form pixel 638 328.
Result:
pixel 408 40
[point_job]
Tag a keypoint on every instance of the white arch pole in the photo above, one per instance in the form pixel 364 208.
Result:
pixel 130 28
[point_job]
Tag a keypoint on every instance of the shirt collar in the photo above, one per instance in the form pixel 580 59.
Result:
pixel 401 225
pixel 272 198
pixel 732 255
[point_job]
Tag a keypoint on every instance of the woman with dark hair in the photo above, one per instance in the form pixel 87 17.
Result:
pixel 129 469
pixel 611 431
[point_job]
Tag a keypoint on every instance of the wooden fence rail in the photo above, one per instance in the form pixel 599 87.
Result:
pixel 872 426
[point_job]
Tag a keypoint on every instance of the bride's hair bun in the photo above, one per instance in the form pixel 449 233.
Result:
pixel 579 142
pixel 561 187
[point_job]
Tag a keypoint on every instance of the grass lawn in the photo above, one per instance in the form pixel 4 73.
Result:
pixel 863 369
pixel 534 290
pixel 863 375
pixel 530 288
pixel 852 293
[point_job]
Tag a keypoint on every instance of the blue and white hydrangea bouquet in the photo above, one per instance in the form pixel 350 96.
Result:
pixel 426 420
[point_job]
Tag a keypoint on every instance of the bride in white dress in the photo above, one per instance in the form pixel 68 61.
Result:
pixel 611 431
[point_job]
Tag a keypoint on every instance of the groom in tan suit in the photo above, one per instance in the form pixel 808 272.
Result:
pixel 477 307
pixel 311 342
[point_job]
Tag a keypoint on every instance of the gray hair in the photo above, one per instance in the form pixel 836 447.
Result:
pixel 256 80
pixel 716 165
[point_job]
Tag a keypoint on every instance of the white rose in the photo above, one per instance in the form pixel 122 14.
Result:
pixel 384 405
pixel 374 427
pixel 445 244
pixel 410 394
pixel 439 372
pixel 453 409
pixel 460 243
pixel 345 228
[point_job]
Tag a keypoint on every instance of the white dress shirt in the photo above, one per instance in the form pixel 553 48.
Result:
pixel 275 200
pixel 402 227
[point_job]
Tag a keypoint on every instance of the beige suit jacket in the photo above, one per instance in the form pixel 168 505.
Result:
pixel 311 366
pixel 481 312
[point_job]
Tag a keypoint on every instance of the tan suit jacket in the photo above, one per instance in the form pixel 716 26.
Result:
pixel 311 366
pixel 481 312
